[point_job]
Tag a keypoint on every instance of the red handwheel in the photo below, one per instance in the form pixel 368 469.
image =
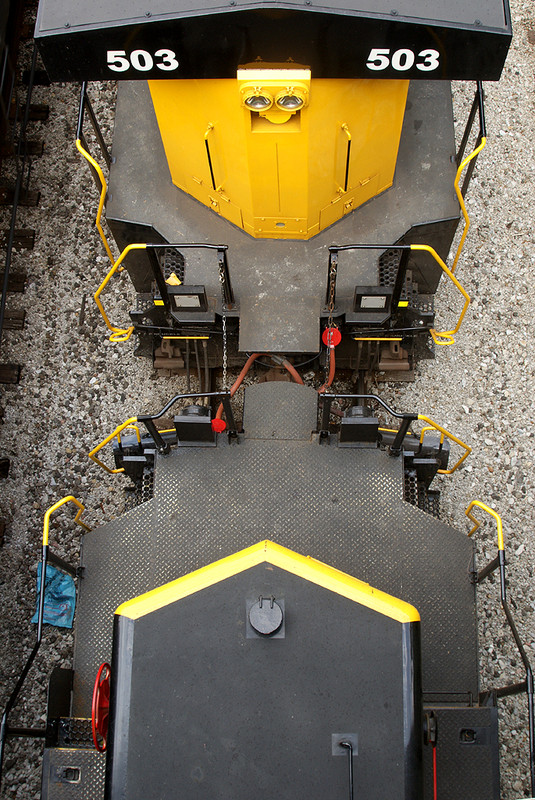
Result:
pixel 100 707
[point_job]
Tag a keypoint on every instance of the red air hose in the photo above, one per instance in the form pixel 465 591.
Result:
pixel 246 367
pixel 238 382
pixel 332 369
pixel 293 372
pixel 331 337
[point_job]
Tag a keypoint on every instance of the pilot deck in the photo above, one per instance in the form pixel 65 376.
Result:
pixel 278 482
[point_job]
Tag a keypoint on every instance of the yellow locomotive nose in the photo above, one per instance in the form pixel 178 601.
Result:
pixel 276 152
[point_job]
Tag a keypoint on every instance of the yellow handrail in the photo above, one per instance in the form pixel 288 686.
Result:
pixel 130 423
pixel 102 200
pixel 46 521
pixel 448 335
pixel 460 197
pixel 394 430
pixel 501 545
pixel 435 426
pixel 118 334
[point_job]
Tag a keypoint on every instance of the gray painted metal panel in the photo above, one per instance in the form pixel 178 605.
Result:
pixel 343 506
pixel 280 311
pixel 55 15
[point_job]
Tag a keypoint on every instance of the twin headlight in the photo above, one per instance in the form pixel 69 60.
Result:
pixel 275 90
pixel 258 99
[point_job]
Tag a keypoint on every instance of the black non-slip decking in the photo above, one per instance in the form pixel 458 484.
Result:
pixel 343 506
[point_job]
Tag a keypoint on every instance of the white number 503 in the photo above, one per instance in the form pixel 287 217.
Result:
pixel 402 60
pixel 141 60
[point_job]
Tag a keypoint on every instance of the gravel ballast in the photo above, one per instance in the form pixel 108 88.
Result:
pixel 76 387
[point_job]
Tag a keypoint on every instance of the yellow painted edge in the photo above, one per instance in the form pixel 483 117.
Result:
pixel 303 566
pixel 159 303
pixel 403 304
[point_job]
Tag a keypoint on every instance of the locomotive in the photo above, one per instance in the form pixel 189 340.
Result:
pixel 280 610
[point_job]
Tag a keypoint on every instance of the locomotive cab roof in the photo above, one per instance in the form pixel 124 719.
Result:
pixel 336 38
pixel 279 621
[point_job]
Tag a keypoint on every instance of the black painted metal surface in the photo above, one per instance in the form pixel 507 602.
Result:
pixel 343 506
pixel 467 754
pixel 201 710
pixel 336 38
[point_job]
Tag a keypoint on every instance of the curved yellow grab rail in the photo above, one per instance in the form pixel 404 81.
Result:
pixel 130 423
pixel 444 433
pixel 498 519
pixel 102 200
pixel 118 334
pixel 48 514
pixel 460 197
pixel 447 335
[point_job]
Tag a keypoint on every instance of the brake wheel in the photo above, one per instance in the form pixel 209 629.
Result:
pixel 100 707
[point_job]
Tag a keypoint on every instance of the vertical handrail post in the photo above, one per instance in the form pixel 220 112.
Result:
pixel 325 414
pixel 395 447
pixel 229 415
pixel 228 293
pixel 163 447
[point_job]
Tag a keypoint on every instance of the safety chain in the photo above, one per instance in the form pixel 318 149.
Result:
pixel 225 358
pixel 333 268
pixel 332 284
pixel 224 319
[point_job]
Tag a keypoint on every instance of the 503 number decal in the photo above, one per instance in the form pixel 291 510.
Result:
pixel 403 59
pixel 141 60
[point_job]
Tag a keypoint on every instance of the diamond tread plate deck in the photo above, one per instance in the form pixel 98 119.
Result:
pixel 72 774
pixel 117 561
pixel 343 506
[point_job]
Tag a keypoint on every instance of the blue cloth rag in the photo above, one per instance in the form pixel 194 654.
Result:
pixel 60 597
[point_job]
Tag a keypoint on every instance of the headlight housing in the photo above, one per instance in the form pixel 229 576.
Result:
pixel 258 100
pixel 291 99
pixel 276 93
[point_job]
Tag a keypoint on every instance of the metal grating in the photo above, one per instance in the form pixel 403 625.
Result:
pixel 117 561
pixel 144 302
pixel 74 732
pixel 388 265
pixel 172 261
pixel 410 487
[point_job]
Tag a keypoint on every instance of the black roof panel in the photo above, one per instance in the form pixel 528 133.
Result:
pixel 337 38
pixel 55 14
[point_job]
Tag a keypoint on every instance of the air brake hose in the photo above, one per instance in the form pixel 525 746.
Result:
pixel 280 361
pixel 331 338
pixel 237 383
pixel 332 369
